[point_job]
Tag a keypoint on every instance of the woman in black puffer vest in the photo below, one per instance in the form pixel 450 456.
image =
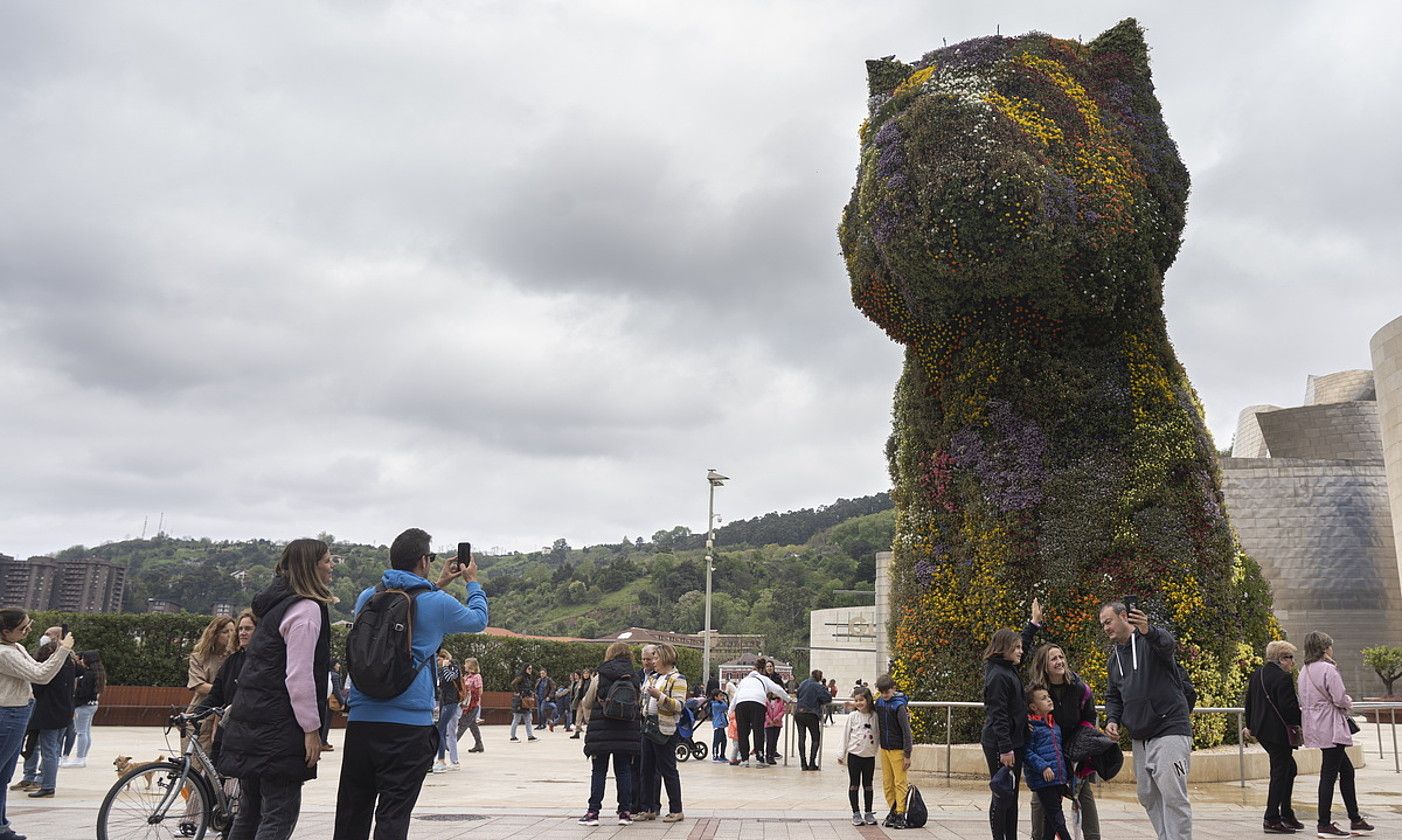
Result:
pixel 611 736
pixel 272 735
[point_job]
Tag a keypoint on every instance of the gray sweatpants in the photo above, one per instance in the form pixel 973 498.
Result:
pixel 1161 774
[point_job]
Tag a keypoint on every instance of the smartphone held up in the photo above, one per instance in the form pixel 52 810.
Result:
pixel 464 557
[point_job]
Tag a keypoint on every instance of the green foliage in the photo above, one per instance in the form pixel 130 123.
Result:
pixel 136 648
pixel 1017 203
pixel 1386 661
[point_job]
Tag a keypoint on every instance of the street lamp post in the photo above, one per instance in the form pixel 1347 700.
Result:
pixel 716 480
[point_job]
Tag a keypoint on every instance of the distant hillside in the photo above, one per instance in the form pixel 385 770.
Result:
pixel 759 587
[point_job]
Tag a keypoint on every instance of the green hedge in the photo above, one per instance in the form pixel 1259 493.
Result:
pixel 154 648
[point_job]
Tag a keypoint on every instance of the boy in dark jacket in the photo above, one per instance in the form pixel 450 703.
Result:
pixel 895 740
pixel 1044 763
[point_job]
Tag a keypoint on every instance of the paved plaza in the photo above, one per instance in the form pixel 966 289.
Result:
pixel 530 790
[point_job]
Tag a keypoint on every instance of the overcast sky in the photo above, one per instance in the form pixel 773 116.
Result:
pixel 518 271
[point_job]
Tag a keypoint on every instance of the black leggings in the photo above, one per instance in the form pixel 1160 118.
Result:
pixel 1336 765
pixel 809 726
pixel 860 770
pixel 1002 813
pixel 749 722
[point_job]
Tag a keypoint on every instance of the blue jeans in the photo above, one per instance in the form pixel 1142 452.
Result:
pixel 521 717
pixel 448 730
pixel 82 720
pixel 622 776
pixel 14 720
pixel 46 774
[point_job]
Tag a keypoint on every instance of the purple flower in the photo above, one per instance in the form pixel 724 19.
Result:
pixel 1008 464
pixel 976 52
pixel 924 572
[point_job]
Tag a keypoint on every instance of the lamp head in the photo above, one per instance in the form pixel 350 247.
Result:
pixel 716 478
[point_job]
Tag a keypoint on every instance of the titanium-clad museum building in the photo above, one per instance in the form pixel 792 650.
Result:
pixel 1315 493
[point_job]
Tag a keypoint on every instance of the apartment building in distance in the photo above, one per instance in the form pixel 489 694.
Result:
pixel 88 584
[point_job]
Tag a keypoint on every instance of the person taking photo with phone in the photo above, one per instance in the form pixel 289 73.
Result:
pixel 390 741
pixel 1147 696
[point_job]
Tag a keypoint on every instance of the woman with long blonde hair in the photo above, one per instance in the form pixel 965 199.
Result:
pixel 272 735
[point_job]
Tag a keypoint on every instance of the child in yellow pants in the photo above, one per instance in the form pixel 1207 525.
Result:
pixel 894 740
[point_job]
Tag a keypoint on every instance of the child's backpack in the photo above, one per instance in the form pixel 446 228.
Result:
pixel 380 646
pixel 621 701
pixel 916 813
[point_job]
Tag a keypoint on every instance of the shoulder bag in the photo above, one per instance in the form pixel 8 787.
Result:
pixel 1294 734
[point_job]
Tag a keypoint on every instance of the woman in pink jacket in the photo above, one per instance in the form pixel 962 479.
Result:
pixel 1324 708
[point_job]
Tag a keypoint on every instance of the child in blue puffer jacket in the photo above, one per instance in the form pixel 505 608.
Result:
pixel 1044 762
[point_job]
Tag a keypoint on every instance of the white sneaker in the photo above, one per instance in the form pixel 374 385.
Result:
pixel 440 767
pixel 455 766
pixel 67 762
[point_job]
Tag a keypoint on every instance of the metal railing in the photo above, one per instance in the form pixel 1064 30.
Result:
pixel 1392 708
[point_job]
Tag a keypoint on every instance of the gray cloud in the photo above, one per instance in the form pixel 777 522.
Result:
pixel 519 272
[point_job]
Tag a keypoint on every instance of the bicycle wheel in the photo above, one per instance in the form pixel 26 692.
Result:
pixel 144 805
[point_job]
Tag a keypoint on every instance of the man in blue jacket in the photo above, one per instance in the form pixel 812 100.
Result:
pixel 390 744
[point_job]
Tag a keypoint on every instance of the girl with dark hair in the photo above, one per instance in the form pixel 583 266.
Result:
pixel 1004 724
pixel 859 754
pixel 272 734
pixel 522 701
pixel 88 686
pixel 18 675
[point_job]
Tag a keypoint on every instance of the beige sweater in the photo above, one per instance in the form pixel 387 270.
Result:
pixel 19 671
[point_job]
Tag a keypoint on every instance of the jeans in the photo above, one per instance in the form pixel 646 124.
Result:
pixel 14 720
pixel 468 721
pixel 718 743
pixel 1336 765
pixel 1002 813
pixel 771 743
pixel 522 717
pixel 659 767
pixel 448 731
pixel 82 719
pixel 1283 771
pixel 45 773
pixel 622 776
pixel 268 809
pixel 809 725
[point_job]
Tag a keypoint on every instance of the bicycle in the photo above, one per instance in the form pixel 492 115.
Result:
pixel 182 797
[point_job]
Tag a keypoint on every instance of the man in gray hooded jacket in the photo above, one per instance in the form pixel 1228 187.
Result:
pixel 1146 696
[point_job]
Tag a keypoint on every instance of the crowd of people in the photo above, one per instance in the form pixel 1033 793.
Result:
pixel 411 704
pixel 1046 729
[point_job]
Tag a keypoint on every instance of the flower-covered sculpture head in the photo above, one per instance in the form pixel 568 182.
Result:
pixel 1032 168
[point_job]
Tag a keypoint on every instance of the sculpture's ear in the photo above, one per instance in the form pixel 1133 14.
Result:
pixel 883 74
pixel 1122 52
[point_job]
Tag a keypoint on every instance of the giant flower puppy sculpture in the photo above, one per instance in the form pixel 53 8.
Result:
pixel 1017 203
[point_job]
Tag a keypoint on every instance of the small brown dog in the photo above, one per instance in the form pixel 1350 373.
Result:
pixel 123 763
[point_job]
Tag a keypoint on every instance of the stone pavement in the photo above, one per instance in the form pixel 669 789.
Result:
pixel 538 790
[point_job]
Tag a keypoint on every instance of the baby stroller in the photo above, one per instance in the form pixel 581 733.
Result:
pixel 686 747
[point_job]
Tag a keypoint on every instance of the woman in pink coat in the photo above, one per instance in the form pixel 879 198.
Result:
pixel 1324 707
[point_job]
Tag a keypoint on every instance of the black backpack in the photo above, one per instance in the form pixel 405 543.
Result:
pixel 916 813
pixel 621 700
pixel 379 649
